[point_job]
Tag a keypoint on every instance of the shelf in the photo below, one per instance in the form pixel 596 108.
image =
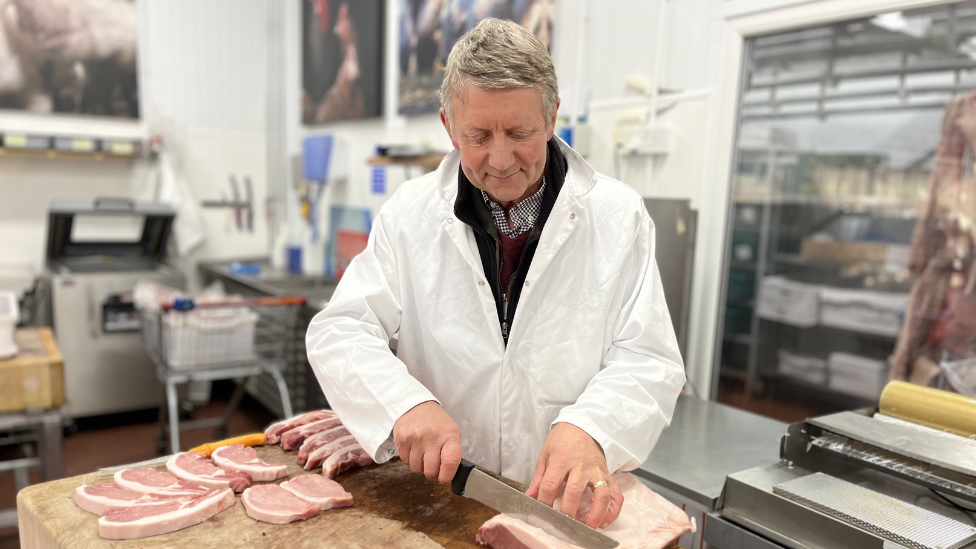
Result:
pixel 741 339
pixel 34 153
pixel 431 160
pixel 853 203
pixel 884 337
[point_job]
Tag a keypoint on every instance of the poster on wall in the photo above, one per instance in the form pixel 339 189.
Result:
pixel 69 57
pixel 342 60
pixel 430 28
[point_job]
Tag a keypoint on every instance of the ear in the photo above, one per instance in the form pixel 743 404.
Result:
pixel 447 126
pixel 552 121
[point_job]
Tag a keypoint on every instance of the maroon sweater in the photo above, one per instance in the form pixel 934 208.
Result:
pixel 511 254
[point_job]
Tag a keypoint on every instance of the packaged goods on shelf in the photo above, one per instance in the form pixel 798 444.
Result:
pixel 857 375
pixel 805 368
pixel 844 252
pixel 865 311
pixel 789 302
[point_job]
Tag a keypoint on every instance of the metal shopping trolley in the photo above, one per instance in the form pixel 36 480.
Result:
pixel 210 341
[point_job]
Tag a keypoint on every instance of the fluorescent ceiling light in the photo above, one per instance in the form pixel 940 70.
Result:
pixel 916 27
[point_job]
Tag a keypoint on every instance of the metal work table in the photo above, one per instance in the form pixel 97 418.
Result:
pixel 272 281
pixel 705 443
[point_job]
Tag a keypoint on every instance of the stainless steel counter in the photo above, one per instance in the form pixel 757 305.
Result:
pixel 273 281
pixel 705 443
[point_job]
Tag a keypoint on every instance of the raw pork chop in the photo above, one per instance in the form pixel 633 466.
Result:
pixel 319 440
pixel 318 490
pixel 318 457
pixel 291 440
pixel 100 497
pixel 142 521
pixel 196 468
pixel 273 434
pixel 151 481
pixel 647 521
pixel 243 458
pixel 346 458
pixel 272 503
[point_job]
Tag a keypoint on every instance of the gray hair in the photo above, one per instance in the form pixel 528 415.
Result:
pixel 500 54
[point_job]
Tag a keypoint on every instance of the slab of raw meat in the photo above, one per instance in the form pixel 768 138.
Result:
pixel 318 490
pixel 273 434
pixel 272 503
pixel 291 440
pixel 647 521
pixel 196 468
pixel 319 440
pixel 243 458
pixel 318 457
pixel 142 521
pixel 346 457
pixel 99 498
pixel 152 481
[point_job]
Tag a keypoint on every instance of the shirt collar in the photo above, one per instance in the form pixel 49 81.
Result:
pixel 523 213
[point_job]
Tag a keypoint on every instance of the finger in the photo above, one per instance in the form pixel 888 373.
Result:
pixel 450 459
pixel 432 462
pixel 417 458
pixel 575 484
pixel 551 481
pixel 616 504
pixel 601 502
pixel 540 471
pixel 403 450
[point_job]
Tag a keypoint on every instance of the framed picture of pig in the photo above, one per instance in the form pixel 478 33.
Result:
pixel 69 57
pixel 342 60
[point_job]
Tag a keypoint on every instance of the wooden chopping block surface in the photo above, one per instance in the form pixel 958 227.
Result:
pixel 394 507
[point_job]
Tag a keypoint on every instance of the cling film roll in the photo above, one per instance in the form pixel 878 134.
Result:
pixel 933 408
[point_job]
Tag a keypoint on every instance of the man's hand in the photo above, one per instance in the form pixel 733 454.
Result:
pixel 571 455
pixel 429 441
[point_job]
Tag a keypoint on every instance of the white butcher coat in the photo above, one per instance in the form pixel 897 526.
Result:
pixel 591 343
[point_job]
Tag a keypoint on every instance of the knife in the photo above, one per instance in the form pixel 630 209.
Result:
pixel 472 483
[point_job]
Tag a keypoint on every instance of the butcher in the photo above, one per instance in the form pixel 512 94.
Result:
pixel 522 289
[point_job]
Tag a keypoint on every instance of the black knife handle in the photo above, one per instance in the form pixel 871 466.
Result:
pixel 461 477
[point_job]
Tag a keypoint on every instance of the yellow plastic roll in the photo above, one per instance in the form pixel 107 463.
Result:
pixel 933 408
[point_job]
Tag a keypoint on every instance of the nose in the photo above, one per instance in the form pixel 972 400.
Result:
pixel 501 156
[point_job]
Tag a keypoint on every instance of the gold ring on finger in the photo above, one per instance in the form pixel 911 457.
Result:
pixel 599 483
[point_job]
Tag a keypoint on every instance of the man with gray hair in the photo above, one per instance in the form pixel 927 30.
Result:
pixel 533 336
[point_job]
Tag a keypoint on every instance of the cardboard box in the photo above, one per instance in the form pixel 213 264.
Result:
pixel 845 252
pixel 35 377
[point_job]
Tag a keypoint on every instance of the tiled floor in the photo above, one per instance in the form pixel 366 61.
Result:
pixel 119 440
pixel 733 394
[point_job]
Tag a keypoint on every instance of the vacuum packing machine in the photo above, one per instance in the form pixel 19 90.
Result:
pixel 96 252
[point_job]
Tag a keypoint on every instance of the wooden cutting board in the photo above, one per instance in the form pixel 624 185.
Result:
pixel 394 507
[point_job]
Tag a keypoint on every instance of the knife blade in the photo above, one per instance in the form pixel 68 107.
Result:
pixel 472 483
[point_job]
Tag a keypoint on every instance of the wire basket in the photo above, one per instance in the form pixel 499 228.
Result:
pixel 221 335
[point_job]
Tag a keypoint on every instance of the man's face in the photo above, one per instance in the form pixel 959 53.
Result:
pixel 502 137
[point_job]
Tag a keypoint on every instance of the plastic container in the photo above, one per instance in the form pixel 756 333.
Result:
pixel 9 315
pixel 208 337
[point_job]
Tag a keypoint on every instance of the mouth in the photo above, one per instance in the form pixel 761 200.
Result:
pixel 505 178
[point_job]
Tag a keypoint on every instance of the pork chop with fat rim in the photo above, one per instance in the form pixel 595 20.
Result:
pixel 142 521
pixel 319 440
pixel 318 490
pixel 291 440
pixel 346 458
pixel 273 504
pixel 318 457
pixel 196 468
pixel 238 457
pixel 273 433
pixel 98 498
pixel 153 481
